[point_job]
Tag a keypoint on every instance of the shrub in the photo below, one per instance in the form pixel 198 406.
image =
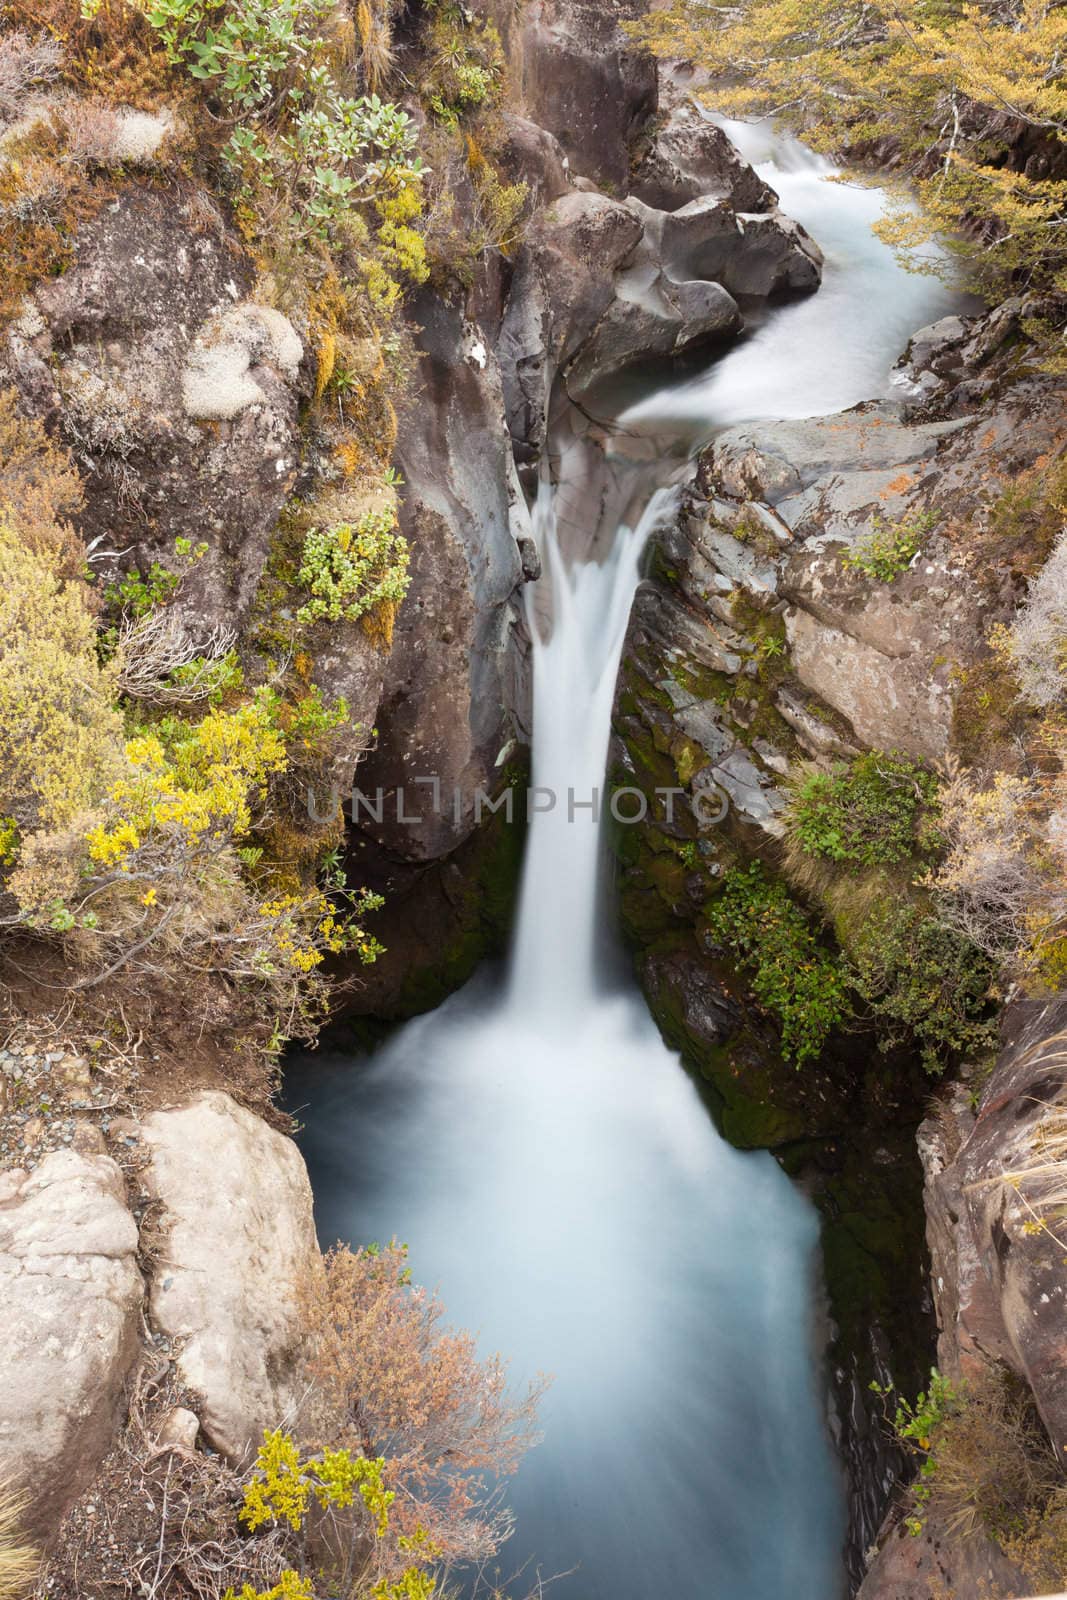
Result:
pixel 870 811
pixel 1036 641
pixel 298 142
pixel 388 1380
pixel 60 737
pixel 466 63
pixel 985 1462
pixel 889 548
pixel 995 885
pixel 350 569
pixel 925 984
pixel 772 940
pixel 25 64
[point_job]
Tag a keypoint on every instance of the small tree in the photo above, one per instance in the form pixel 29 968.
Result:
pixel 390 1381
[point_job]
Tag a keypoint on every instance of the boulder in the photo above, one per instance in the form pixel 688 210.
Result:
pixel 689 157
pixel 236 1211
pixel 582 80
pixel 752 255
pixel 564 282
pixel 533 156
pixel 72 1301
pixel 176 393
pixel 941 1561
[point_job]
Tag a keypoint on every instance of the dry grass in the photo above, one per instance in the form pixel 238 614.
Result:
pixel 19 1561
pixel 996 1470
pixel 1041 1182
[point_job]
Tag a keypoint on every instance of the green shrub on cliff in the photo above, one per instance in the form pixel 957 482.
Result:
pixel 889 548
pixel 772 940
pixel 350 570
pixel 872 811
pixel 926 985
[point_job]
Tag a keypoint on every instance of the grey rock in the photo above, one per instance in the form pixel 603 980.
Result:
pixel 72 1299
pixel 235 1203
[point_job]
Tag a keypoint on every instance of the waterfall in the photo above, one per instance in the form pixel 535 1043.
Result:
pixel 544 1155
pixel 577 630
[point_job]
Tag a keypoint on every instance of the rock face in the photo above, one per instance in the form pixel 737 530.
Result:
pixel 177 395
pixel 1000 1284
pixel 584 83
pixel 938 1562
pixel 235 1208
pixel 72 1298
pixel 453 691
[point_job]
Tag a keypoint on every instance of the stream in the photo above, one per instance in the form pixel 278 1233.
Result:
pixel 545 1157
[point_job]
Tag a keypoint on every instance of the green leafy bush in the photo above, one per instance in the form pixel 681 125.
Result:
pixel 889 548
pixel 915 1427
pixel 350 570
pixel 871 811
pixel 772 940
pixel 924 983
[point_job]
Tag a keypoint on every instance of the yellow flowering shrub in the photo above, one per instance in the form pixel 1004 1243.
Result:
pixel 284 1483
pixel 60 736
pixel 290 1586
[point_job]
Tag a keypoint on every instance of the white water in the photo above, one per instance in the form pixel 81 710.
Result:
pixel 549 1162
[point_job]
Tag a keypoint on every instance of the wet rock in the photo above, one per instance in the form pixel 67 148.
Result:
pixel 72 1298
pixel 690 157
pixel 235 1206
pixel 749 255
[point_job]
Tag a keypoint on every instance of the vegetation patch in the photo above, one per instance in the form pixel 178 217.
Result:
pixel 792 976
pixel 889 548
pixel 876 810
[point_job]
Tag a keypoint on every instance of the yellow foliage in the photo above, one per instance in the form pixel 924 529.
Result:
pixel 284 1484
pixel 60 736
pixel 290 1586
pixel 957 83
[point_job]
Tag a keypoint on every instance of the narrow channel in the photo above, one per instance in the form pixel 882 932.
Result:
pixel 544 1156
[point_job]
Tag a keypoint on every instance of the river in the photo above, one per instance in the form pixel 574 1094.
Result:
pixel 544 1155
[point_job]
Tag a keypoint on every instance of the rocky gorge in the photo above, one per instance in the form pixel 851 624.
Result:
pixel 156 1213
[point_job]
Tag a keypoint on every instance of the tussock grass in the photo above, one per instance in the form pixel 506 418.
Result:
pixel 19 1561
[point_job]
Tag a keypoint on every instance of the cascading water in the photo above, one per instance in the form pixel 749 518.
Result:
pixel 547 1159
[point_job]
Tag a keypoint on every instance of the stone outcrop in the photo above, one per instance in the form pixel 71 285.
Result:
pixel 71 1295
pixel 689 157
pixel 1000 1281
pixel 177 395
pixel 234 1208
